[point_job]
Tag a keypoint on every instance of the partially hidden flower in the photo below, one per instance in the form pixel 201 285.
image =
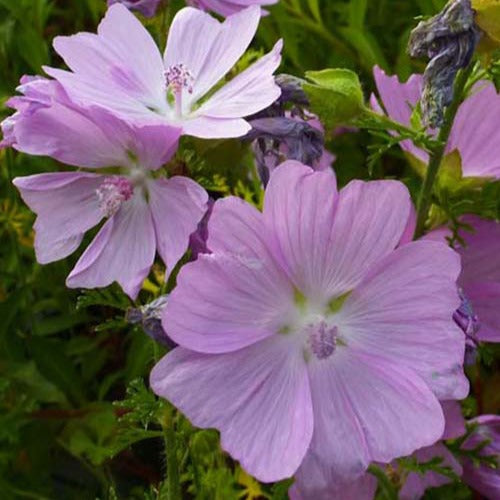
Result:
pixel 448 40
pixel 228 7
pixel 289 137
pixel 307 333
pixel 121 69
pixel 145 7
pixel 479 281
pixel 143 212
pixel 475 133
pixel 149 317
pixel 484 477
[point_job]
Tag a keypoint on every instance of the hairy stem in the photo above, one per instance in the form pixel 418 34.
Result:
pixel 437 153
pixel 169 438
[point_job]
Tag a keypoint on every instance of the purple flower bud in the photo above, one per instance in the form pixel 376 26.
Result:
pixel 281 138
pixel 149 317
pixel 145 7
pixel 465 318
pixel 448 40
pixel 198 240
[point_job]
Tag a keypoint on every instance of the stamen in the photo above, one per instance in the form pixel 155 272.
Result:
pixel 112 193
pixel 322 339
pixel 178 78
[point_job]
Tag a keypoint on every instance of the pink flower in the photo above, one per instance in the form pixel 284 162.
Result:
pixel 475 133
pixel 306 332
pixel 121 69
pixel 143 213
pixel 480 277
pixel 484 478
pixel 228 7
pixel 145 7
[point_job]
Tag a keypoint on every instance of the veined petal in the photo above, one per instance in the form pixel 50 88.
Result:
pixel 299 210
pixel 258 398
pixel 249 92
pixel 66 206
pixel 208 48
pixel 207 127
pixel 122 251
pixel 224 302
pixel 402 311
pixel 476 134
pixel 177 205
pixel 366 409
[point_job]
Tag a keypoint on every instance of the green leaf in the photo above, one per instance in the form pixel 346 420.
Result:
pixel 335 96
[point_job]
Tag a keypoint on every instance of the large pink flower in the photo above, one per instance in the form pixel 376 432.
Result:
pixel 143 213
pixel 480 277
pixel 475 133
pixel 307 331
pixel 121 69
pixel 228 7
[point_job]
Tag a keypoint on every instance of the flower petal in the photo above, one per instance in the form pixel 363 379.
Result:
pixel 120 67
pixel 208 48
pixel 366 409
pixel 402 311
pixel 258 397
pixel 224 302
pixel 122 251
pixel 207 127
pixel 66 206
pixel 476 134
pixel 398 100
pixel 299 208
pixel 249 92
pixel 177 205
pixel 316 481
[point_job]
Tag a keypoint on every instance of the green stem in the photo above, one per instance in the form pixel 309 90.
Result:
pixel 173 482
pixel 437 153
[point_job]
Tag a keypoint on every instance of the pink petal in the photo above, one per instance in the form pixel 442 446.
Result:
pixel 366 409
pixel 249 92
pixel 316 481
pixel 485 300
pixel 299 208
pixel 416 484
pixel 120 67
pixel 402 312
pixel 66 206
pixel 454 420
pixel 207 127
pixel 122 251
pixel 177 205
pixel 208 48
pixel 398 100
pixel 257 397
pixel 476 134
pixel 224 302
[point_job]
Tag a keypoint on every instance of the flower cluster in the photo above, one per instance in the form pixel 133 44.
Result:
pixel 312 330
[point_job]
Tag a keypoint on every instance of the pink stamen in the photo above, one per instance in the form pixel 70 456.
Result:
pixel 178 78
pixel 112 193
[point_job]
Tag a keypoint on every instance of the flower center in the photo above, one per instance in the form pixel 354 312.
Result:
pixel 112 193
pixel 321 339
pixel 178 78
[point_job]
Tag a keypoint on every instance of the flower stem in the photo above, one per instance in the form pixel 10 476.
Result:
pixel 173 483
pixel 437 153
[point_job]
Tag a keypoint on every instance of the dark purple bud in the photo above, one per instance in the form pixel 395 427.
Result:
pixel 198 240
pixel 448 40
pixel 465 318
pixel 291 90
pixel 282 138
pixel 149 317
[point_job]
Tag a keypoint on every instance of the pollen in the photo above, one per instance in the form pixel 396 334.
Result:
pixel 178 77
pixel 112 193
pixel 322 339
